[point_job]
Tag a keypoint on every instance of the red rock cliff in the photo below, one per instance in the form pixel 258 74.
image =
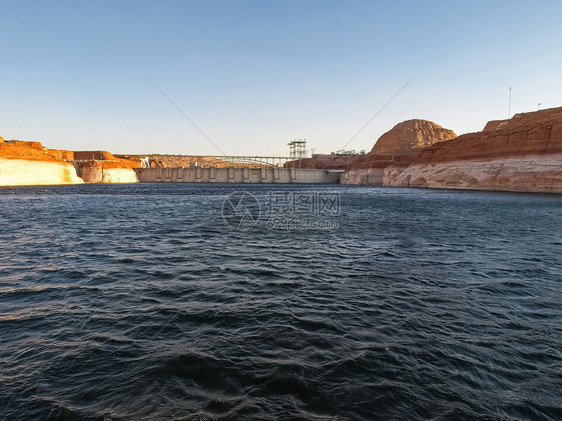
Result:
pixel 397 147
pixel 523 153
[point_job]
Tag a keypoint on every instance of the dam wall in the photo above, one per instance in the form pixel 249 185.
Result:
pixel 237 175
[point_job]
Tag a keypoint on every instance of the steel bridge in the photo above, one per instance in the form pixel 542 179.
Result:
pixel 264 161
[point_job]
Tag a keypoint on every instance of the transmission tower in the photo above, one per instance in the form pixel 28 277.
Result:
pixel 297 149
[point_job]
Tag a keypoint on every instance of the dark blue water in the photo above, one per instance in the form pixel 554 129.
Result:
pixel 141 302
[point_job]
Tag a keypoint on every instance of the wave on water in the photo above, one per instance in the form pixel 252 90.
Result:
pixel 142 302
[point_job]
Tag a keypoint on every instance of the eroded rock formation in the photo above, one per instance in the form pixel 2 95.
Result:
pixel 410 136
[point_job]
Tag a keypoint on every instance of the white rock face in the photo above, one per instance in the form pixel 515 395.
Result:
pixel 364 176
pixel 21 172
pixel 109 175
pixel 527 173
pixel 119 175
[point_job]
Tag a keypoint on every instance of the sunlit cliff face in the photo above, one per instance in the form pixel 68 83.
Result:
pixel 410 136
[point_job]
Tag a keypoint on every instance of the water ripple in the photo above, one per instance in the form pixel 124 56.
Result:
pixel 139 302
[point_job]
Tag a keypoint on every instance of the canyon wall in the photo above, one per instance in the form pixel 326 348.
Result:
pixel 106 172
pixel 537 173
pixel 30 163
pixel 398 147
pixel 363 176
pixel 104 167
pixel 369 170
pixel 24 172
pixel 523 153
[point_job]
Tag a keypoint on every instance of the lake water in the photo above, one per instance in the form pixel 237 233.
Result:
pixel 185 301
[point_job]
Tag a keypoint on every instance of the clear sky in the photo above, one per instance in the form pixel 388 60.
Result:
pixel 255 75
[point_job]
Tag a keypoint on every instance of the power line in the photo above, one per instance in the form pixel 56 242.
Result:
pixel 185 115
pixel 380 110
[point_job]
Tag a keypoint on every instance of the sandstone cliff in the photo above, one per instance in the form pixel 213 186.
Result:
pixel 108 172
pixel 30 163
pixel 25 172
pixel 523 153
pixel 369 170
pixel 104 167
pixel 400 146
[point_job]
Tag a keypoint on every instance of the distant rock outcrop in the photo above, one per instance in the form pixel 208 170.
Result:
pixel 410 136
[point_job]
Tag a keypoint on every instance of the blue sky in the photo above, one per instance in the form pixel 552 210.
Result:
pixel 255 75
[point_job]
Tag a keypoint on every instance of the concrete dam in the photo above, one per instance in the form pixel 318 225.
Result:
pixel 237 175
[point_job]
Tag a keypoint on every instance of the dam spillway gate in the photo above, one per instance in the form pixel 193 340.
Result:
pixel 237 175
